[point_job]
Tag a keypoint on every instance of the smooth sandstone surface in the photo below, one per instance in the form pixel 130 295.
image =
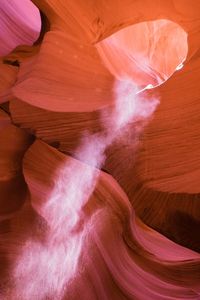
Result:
pixel 125 228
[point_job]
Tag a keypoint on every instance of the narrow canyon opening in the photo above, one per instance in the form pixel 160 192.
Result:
pixel 147 53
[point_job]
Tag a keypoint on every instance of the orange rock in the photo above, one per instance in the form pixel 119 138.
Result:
pixel 12 186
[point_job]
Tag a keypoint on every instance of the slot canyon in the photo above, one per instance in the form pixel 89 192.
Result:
pixel 99 149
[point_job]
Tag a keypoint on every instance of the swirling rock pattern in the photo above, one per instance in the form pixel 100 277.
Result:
pixel 99 199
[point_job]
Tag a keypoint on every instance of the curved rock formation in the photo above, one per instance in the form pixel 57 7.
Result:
pixel 99 153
